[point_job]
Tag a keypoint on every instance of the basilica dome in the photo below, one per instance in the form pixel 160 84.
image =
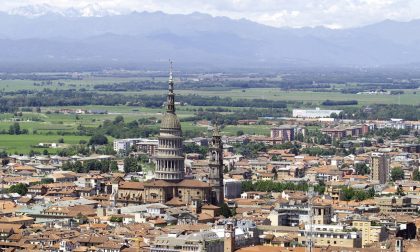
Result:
pixel 170 121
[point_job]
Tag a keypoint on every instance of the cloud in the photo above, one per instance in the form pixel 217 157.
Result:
pixel 292 13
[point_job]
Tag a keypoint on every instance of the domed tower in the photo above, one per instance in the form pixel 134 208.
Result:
pixel 170 156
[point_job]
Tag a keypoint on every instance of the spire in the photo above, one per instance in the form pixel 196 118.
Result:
pixel 171 79
pixel 216 131
pixel 171 96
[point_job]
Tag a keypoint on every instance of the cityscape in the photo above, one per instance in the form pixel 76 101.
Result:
pixel 209 127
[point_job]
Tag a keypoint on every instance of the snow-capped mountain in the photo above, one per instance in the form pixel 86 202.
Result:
pixel 51 36
pixel 34 10
pixel 90 10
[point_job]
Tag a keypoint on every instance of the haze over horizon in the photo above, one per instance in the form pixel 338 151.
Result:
pixel 277 13
pixel 219 34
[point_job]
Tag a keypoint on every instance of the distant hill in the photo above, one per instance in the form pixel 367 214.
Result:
pixel 199 40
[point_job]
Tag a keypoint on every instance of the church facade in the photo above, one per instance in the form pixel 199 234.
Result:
pixel 170 185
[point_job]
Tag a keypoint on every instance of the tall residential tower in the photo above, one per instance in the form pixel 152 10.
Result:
pixel 379 166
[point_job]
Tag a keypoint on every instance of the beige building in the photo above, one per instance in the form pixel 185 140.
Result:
pixel 176 242
pixel 322 212
pixel 379 166
pixel 390 205
pixel 370 233
pixel 331 235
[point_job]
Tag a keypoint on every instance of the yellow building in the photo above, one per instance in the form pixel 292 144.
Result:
pixel 370 233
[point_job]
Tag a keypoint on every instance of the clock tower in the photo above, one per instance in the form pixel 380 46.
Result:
pixel 216 168
pixel 229 243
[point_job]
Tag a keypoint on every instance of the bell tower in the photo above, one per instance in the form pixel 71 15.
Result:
pixel 216 168
pixel 229 240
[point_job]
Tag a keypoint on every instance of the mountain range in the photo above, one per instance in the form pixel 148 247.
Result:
pixel 41 36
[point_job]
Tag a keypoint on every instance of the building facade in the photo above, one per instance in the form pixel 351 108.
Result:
pixel 370 233
pixel 379 165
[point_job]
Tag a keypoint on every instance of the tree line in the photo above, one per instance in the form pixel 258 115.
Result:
pixel 273 186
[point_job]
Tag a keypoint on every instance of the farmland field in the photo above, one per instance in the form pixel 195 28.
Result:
pixel 408 97
pixel 48 125
pixel 23 143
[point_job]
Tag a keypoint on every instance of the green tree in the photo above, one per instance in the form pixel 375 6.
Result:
pixel 416 175
pixel 14 129
pixel 371 192
pixel 47 181
pixel 20 188
pixel 119 119
pixel 116 219
pixel 131 165
pixel 98 139
pixel 400 191
pixel 239 133
pixel 275 174
pixel 3 154
pixel 347 193
pixel 397 174
pixel 362 169
pixel 113 166
pixel 360 195
pixel 320 188
pixel 225 211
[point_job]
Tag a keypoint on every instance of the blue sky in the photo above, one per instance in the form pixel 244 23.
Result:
pixel 279 13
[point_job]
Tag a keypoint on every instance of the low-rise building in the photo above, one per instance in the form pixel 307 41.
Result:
pixel 314 113
pixel 391 205
pixel 177 242
pixel 331 235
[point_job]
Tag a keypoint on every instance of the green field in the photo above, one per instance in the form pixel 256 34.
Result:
pixel 408 97
pixel 22 144
pixel 48 125
pixel 88 81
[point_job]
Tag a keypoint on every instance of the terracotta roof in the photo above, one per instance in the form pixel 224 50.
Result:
pixel 355 176
pixel 131 185
pixel 205 217
pixel 192 183
pixel 7 227
pixel 157 183
pixel 175 201
pixel 209 206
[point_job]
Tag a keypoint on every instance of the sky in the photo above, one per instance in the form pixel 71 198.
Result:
pixel 334 14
